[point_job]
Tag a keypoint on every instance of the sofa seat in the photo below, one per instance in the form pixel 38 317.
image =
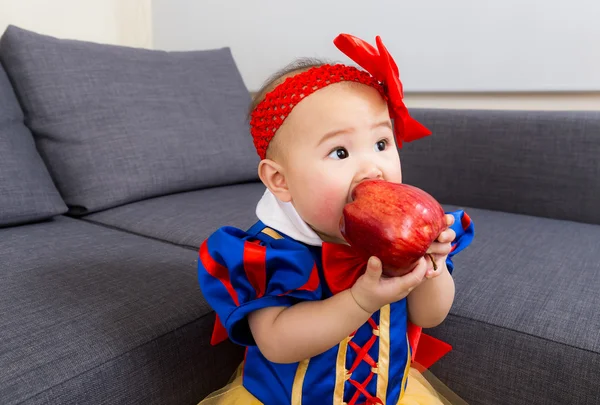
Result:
pixel 525 322
pixel 186 219
pixel 94 315
pixel 526 309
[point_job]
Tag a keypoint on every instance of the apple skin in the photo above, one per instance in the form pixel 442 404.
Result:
pixel 395 222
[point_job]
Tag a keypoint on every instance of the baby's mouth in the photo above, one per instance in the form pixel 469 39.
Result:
pixel 350 193
pixel 350 199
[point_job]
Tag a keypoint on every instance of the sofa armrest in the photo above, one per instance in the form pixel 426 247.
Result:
pixel 538 163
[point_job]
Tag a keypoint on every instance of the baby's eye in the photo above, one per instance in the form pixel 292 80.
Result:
pixel 339 153
pixel 381 145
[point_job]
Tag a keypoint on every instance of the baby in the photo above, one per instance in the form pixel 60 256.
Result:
pixel 320 130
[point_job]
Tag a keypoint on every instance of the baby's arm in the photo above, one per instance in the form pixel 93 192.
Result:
pixel 430 302
pixel 304 330
pixel 289 335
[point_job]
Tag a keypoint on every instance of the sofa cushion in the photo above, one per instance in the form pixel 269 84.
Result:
pixel 26 189
pixel 542 163
pixel 525 321
pixel 186 219
pixel 525 315
pixel 93 315
pixel 118 124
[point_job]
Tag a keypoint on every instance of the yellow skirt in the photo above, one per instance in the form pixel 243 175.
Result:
pixel 422 388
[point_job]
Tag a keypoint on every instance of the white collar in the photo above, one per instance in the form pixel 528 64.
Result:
pixel 283 217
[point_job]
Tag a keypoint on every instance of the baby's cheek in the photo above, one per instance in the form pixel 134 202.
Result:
pixel 328 209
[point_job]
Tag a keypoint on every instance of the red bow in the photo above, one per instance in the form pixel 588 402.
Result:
pixel 380 64
pixel 342 267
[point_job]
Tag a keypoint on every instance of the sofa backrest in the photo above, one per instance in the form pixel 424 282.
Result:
pixel 27 192
pixel 117 125
pixel 529 162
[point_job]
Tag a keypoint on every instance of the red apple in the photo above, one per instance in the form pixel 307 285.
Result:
pixel 395 222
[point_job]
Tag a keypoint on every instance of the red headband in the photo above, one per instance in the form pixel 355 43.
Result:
pixel 270 113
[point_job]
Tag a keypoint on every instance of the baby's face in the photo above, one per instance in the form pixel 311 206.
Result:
pixel 333 140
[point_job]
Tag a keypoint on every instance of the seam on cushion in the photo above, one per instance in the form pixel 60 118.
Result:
pixel 116 357
pixel 524 333
pixel 116 228
pixel 467 207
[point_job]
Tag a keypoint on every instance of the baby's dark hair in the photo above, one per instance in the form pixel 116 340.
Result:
pixel 297 66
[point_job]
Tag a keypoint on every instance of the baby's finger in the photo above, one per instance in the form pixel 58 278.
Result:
pixel 433 268
pixel 431 273
pixel 374 269
pixel 441 249
pixel 447 236
pixel 415 277
pixel 449 219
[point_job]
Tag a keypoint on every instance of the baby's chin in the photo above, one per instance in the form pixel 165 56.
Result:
pixel 330 236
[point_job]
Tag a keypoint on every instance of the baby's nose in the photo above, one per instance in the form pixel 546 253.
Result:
pixel 371 172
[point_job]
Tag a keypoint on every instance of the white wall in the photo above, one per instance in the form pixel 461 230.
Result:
pixel 565 101
pixel 440 45
pixel 118 22
pixel 129 22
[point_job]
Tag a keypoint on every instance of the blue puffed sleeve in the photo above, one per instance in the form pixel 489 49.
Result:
pixel 239 274
pixel 465 231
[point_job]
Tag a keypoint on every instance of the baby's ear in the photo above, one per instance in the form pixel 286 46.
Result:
pixel 273 177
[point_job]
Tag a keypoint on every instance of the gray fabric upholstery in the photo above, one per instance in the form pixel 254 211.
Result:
pixel 187 219
pixel 117 124
pixel 93 315
pixel 26 189
pixel 525 320
pixel 526 302
pixel 490 365
pixel 529 162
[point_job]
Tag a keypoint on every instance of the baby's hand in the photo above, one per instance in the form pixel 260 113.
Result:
pixel 372 290
pixel 439 250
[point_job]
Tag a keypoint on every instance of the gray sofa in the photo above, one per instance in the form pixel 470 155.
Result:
pixel 116 163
